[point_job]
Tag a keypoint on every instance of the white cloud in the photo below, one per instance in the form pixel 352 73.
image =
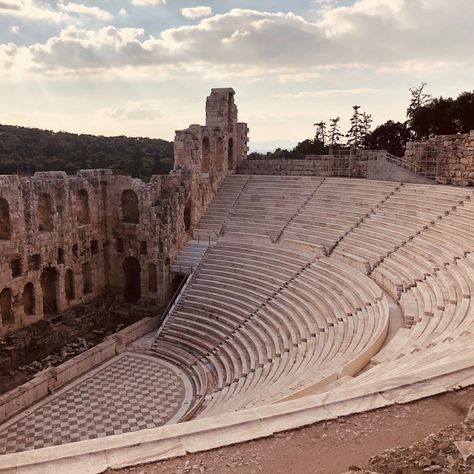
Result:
pixel 123 12
pixel 15 29
pixel 372 35
pixel 31 9
pixel 133 110
pixel 327 93
pixel 80 9
pixel 196 12
pixel 148 2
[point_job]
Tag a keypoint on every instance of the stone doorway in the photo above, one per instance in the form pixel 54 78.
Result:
pixel 132 280
pixel 49 283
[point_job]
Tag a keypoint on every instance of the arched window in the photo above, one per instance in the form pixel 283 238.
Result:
pixel 130 212
pixel 49 284
pixel 6 306
pixel 5 230
pixel 230 154
pixel 206 149
pixel 152 283
pixel 87 278
pixel 45 213
pixel 132 280
pixel 219 154
pixel 28 299
pixel 82 206
pixel 69 285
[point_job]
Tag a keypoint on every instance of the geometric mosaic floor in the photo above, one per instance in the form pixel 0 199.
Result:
pixel 131 392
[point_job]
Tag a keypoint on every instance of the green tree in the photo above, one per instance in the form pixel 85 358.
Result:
pixel 354 135
pixel 391 136
pixel 418 99
pixel 334 133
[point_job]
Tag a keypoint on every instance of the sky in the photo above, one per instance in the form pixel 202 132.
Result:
pixel 145 67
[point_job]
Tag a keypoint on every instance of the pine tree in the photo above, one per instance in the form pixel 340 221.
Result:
pixel 366 125
pixel 334 133
pixel 320 135
pixel 354 136
pixel 418 99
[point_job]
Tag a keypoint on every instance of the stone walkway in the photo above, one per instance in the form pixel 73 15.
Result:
pixel 131 392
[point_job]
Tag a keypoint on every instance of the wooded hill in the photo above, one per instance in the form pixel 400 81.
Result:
pixel 26 150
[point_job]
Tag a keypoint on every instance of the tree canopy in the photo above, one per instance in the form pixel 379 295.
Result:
pixel 26 150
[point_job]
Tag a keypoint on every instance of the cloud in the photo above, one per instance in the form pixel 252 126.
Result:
pixel 8 54
pixel 30 9
pixel 145 3
pixel 196 12
pixel 123 12
pixel 80 9
pixel 327 93
pixel 133 110
pixel 371 35
pixel 15 29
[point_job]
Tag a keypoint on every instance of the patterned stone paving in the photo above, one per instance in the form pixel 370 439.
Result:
pixel 132 392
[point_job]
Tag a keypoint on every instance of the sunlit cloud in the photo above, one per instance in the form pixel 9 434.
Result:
pixel 80 9
pixel 196 12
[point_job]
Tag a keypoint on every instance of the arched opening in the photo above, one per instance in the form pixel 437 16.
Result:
pixel 187 215
pixel 6 306
pixel 130 212
pixel 87 278
pixel 132 281
pixel 206 150
pixel 5 230
pixel 69 285
pixel 82 206
pixel 28 299
pixel 49 283
pixel 45 213
pixel 61 256
pixel 230 154
pixel 219 154
pixel 152 283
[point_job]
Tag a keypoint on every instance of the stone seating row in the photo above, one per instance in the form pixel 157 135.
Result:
pixel 269 204
pixel 441 308
pixel 336 207
pixel 220 206
pixel 265 323
pixel 405 214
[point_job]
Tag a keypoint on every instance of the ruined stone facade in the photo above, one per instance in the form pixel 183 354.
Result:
pixel 449 158
pixel 67 240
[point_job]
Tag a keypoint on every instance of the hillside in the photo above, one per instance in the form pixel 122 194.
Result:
pixel 26 150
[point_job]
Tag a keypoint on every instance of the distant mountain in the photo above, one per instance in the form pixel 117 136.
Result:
pixel 26 150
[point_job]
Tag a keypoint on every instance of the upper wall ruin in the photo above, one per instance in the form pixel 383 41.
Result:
pixel 65 240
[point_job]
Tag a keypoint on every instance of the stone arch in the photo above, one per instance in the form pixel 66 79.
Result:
pixel 69 285
pixel 206 152
pixel 5 230
pixel 82 206
pixel 219 154
pixel 230 154
pixel 132 290
pixel 152 281
pixel 6 306
pixel 45 213
pixel 49 287
pixel 87 278
pixel 28 299
pixel 130 211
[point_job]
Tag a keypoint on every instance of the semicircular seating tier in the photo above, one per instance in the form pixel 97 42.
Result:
pixel 257 325
pixel 291 297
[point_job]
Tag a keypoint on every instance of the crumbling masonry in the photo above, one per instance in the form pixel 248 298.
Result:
pixel 69 240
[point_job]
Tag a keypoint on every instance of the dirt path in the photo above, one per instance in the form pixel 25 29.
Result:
pixel 328 447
